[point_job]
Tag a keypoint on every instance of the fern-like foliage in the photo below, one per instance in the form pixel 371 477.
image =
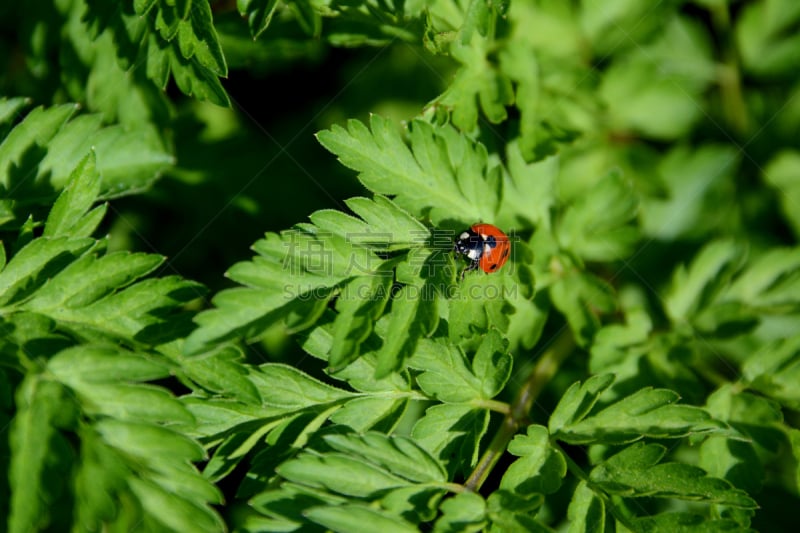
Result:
pixel 81 327
pixel 171 40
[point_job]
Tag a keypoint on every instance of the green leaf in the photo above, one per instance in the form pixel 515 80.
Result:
pixel 581 297
pixel 685 523
pixel 695 287
pixel 40 404
pixel 769 282
pixel 384 225
pixel 292 278
pixel 492 364
pixel 352 517
pixel 587 511
pixel 765 38
pixel 289 388
pixel 36 261
pixel 362 414
pixel 339 473
pixel 31 135
pixel 693 179
pixel 89 279
pixel 149 444
pixel 445 375
pixel 742 458
pixel 646 413
pixel 464 512
pixel 131 312
pixel 597 226
pixel 529 189
pixel 775 370
pixel 655 87
pixel 398 455
pixel 577 401
pixel 452 435
pixel 411 316
pixel 359 305
pixel 259 14
pixel 10 108
pixel 478 304
pixel 782 173
pixel 128 158
pixel 174 511
pixel 76 199
pixel 540 467
pixel 220 372
pixel 181 41
pixel 475 83
pixel 636 472
pixel 99 364
pixel 440 175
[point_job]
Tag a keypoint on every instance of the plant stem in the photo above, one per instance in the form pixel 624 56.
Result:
pixel 517 415
pixel 728 74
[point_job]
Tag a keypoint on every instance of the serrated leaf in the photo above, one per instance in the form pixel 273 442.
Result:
pixel 445 375
pixel 686 523
pixel 452 435
pixel 131 312
pixel 96 364
pixel 384 225
pixel 694 287
pixel 258 13
pixel 646 413
pixel 39 404
pixel 636 472
pixel 292 278
pixel 694 178
pixel 37 259
pixel 359 305
pixel 581 297
pixel 150 444
pixel 775 370
pixel 339 473
pixel 399 455
pixel 220 373
pixel 540 467
pixel 769 282
pixel 587 511
pixel 286 387
pixel 10 107
pixel 90 278
pixel 128 158
pixel 362 414
pixel 577 401
pixel 411 316
pixel 426 176
pixel 173 511
pixel 136 403
pixel 529 189
pixel 352 517
pixel 463 513
pixel 213 417
pixel 33 133
pixel 597 225
pixel 492 364
pixel 76 199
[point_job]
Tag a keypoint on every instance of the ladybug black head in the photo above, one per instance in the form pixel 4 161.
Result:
pixel 470 244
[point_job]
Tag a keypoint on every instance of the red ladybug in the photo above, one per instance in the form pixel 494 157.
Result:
pixel 484 246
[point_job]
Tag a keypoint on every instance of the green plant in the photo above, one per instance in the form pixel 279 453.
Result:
pixel 635 366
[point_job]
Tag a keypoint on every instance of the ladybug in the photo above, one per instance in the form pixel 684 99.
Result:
pixel 485 246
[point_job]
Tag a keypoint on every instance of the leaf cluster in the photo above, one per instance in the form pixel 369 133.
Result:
pixel 634 366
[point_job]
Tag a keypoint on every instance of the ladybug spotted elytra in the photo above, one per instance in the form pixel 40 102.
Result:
pixel 485 246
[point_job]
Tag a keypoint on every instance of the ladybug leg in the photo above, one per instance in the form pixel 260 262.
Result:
pixel 473 265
